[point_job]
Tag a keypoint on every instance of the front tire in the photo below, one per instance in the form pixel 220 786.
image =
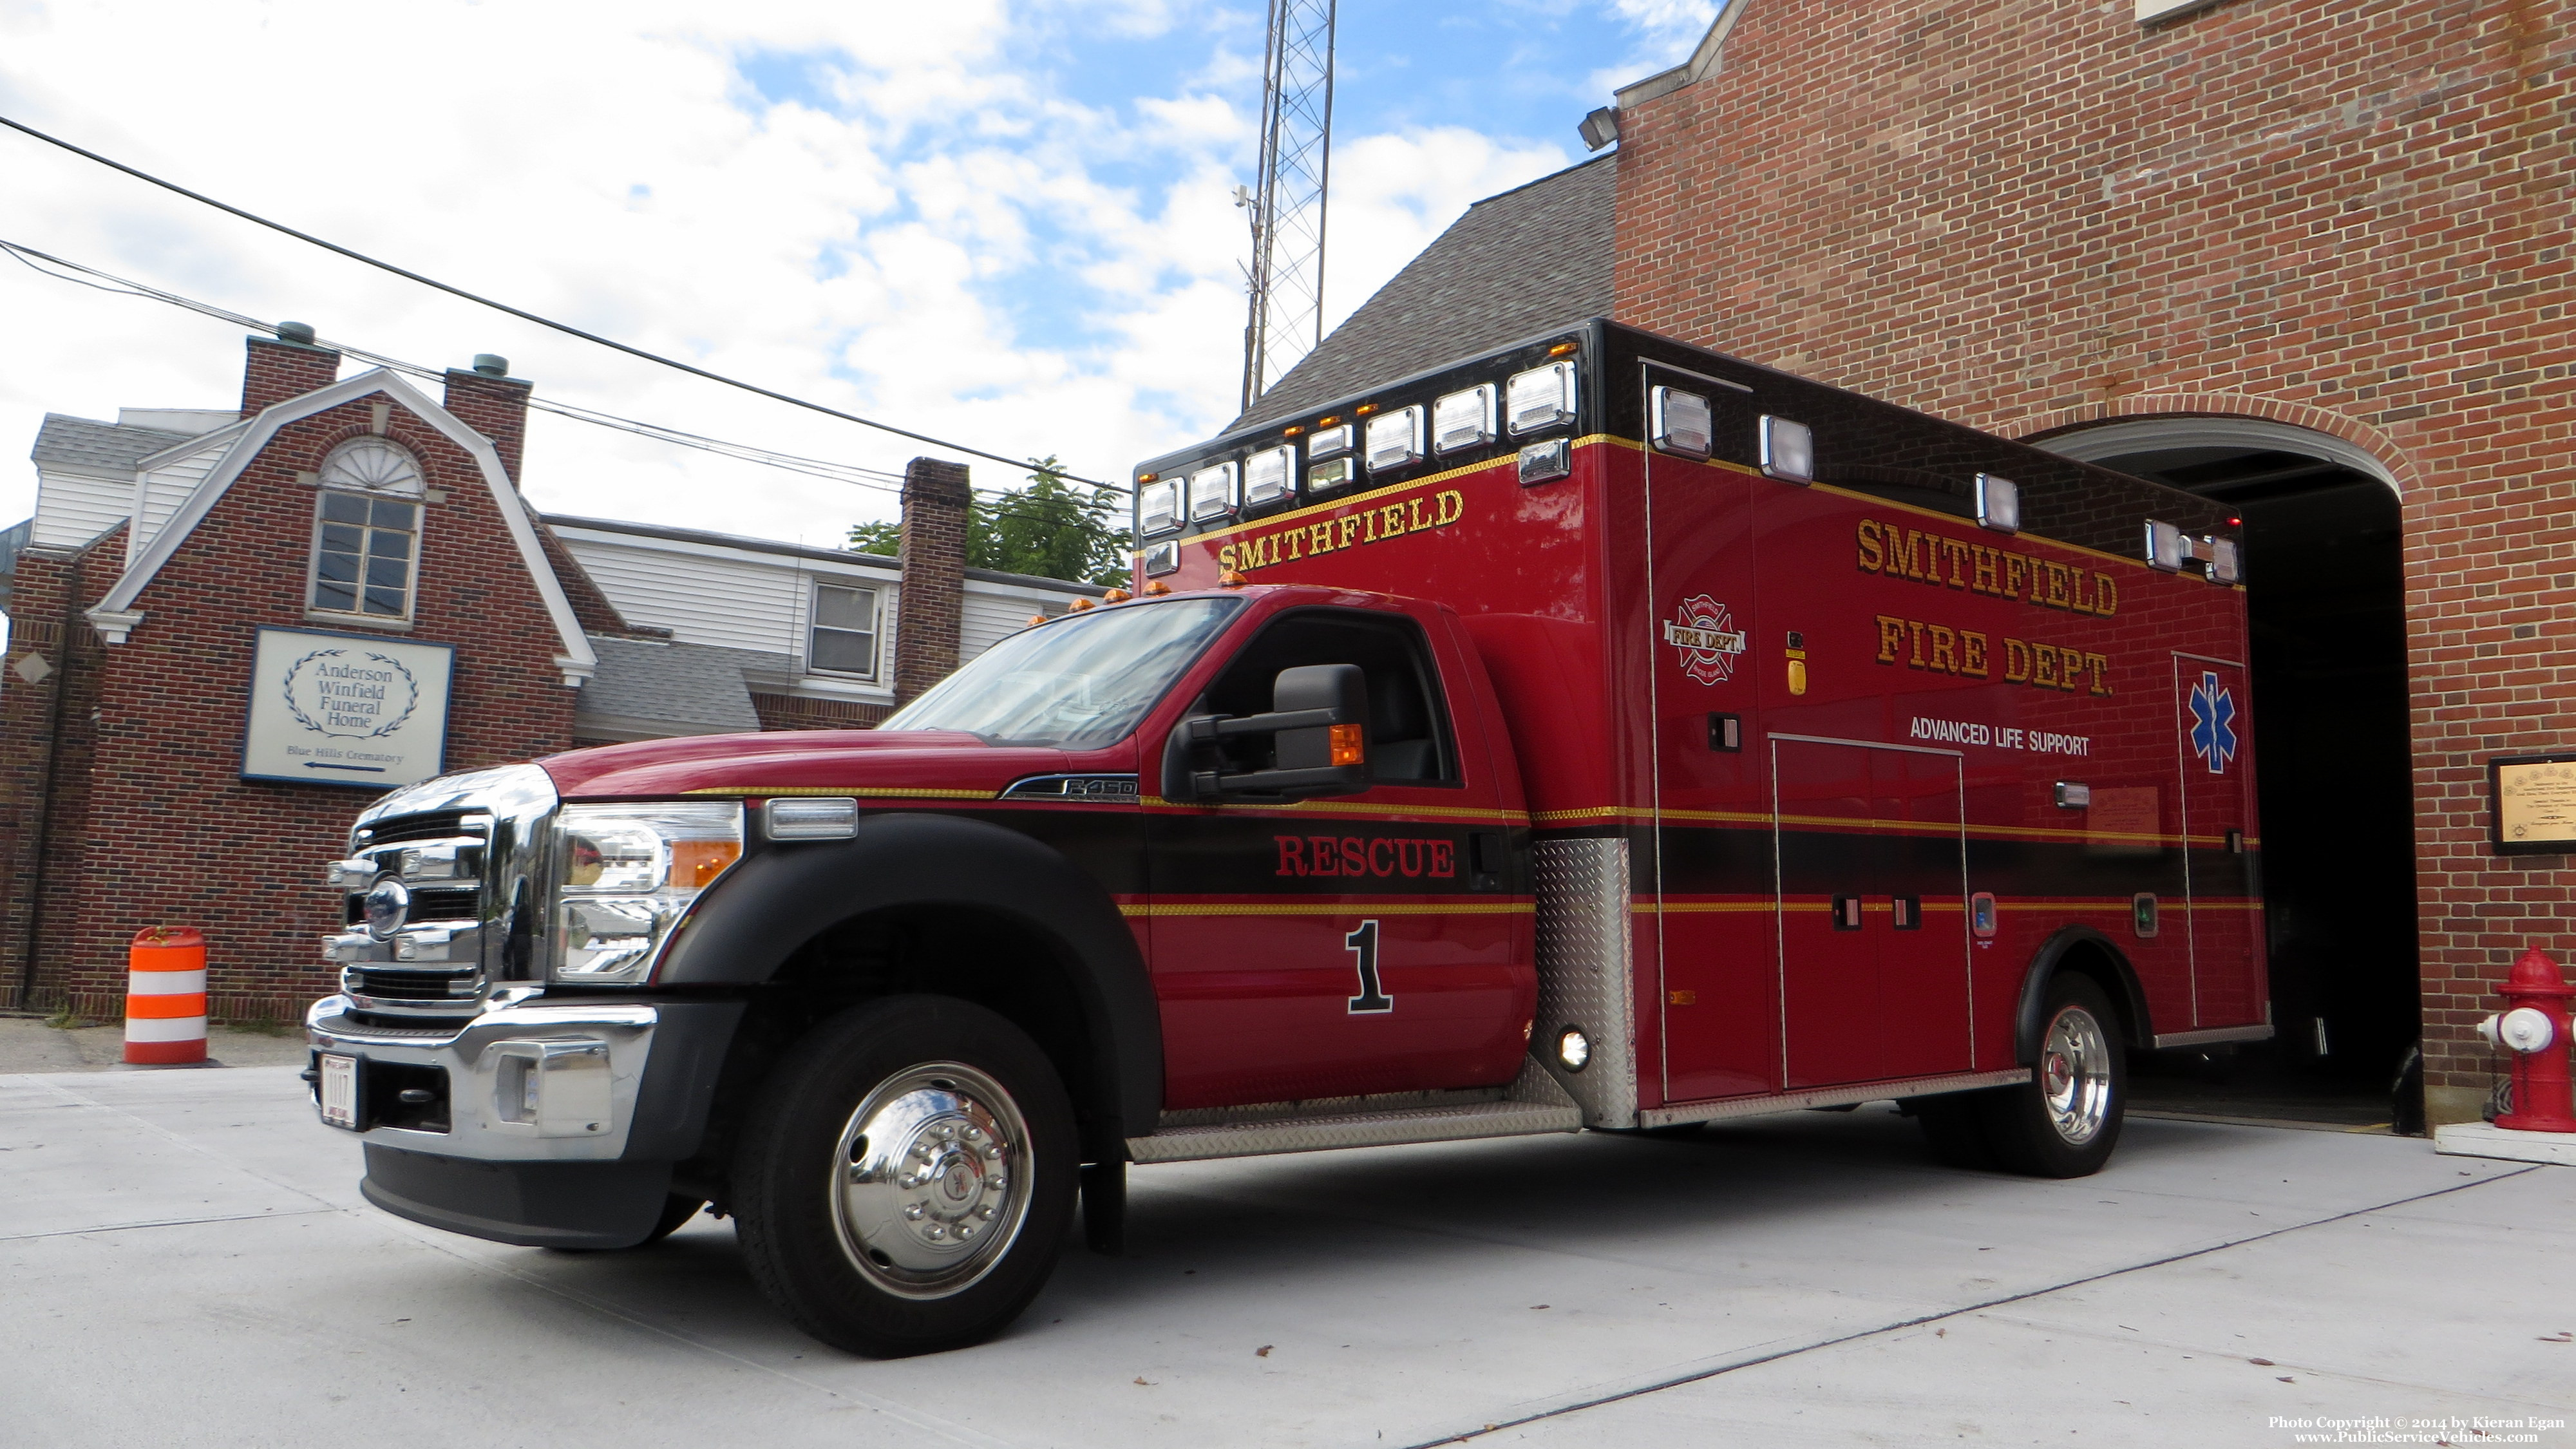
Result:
pixel 906 1177
pixel 2066 1120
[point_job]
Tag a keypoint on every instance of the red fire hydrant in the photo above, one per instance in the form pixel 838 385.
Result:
pixel 2535 1027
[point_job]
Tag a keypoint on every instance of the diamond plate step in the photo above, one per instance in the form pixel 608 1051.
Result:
pixel 1355 1129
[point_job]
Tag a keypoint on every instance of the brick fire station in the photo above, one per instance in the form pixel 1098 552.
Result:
pixel 230 629
pixel 2310 258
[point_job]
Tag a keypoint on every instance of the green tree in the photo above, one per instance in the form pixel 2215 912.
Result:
pixel 1046 527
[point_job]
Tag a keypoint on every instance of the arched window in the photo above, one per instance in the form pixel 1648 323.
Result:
pixel 366 531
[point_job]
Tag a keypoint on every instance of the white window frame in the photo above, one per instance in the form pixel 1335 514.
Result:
pixel 313 605
pixel 875 631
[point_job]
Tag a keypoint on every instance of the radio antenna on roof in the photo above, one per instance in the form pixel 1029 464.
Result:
pixel 1286 277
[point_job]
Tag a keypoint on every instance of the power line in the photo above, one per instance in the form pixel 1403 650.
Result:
pixel 524 315
pixel 848 473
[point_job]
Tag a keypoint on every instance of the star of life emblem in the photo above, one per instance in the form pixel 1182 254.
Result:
pixel 2213 728
pixel 1705 633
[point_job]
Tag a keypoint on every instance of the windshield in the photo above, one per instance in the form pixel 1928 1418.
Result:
pixel 1078 683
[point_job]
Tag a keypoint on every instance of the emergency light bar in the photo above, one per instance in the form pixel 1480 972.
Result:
pixel 1788 450
pixel 2168 548
pixel 1269 476
pixel 1542 397
pixel 1158 508
pixel 1462 420
pixel 1213 492
pixel 1681 422
pixel 1998 503
pixel 1395 439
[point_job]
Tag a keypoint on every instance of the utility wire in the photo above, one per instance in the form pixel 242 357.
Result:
pixel 524 315
pixel 848 473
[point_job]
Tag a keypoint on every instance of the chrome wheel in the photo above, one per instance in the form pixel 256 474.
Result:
pixel 2075 1075
pixel 931 1180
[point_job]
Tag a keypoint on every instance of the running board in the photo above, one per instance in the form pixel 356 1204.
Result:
pixel 1533 1105
pixel 1763 1106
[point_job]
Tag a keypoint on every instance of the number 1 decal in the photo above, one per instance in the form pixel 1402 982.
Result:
pixel 1363 944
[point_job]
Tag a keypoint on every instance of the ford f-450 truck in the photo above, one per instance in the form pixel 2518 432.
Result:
pixel 1599 733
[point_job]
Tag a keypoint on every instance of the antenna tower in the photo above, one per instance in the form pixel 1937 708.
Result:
pixel 1286 278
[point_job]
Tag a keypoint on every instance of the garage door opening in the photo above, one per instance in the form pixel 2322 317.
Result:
pixel 2326 597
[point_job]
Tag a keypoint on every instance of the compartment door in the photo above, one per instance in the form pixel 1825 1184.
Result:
pixel 1711 866
pixel 1872 912
pixel 2222 899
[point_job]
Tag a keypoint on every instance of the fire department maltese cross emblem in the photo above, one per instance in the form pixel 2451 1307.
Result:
pixel 1706 634
pixel 2213 723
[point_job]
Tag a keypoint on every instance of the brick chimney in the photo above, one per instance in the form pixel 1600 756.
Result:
pixel 287 365
pixel 933 560
pixel 492 403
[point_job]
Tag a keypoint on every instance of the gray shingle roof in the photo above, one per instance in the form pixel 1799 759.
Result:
pixel 96 447
pixel 697 686
pixel 1528 261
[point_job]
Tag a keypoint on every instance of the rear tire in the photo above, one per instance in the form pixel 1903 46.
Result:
pixel 906 1177
pixel 1954 1124
pixel 2066 1120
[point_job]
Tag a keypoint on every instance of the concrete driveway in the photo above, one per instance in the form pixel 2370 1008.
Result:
pixel 186 1260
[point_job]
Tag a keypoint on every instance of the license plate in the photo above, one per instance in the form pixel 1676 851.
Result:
pixel 340 1091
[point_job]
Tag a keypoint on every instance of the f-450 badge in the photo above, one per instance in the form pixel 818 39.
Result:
pixel 1706 634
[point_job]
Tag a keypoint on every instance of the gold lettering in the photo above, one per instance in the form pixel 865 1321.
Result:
pixel 1945 649
pixel 1901 557
pixel 1958 554
pixel 1350 531
pixel 2043 665
pixel 1872 555
pixel 1891 632
pixel 1415 507
pixel 1390 520
pixel 2016 575
pixel 1972 653
pixel 2100 664
pixel 1225 555
pixel 1453 506
pixel 2016 661
pixel 1914 633
pixel 2106 592
pixel 1983 579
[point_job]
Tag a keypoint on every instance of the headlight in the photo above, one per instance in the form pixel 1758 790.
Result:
pixel 628 873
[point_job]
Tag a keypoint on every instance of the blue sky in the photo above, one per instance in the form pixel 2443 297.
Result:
pixel 1004 221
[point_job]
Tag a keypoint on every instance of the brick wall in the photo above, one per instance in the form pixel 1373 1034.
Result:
pixel 169 832
pixel 46 738
pixel 930 607
pixel 2350 217
pixel 788 712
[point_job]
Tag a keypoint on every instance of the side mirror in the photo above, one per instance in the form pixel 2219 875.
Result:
pixel 1319 718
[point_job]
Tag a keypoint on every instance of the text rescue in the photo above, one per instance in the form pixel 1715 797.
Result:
pixel 1893 551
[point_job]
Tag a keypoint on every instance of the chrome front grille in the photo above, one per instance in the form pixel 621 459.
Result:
pixel 433 964
pixel 453 871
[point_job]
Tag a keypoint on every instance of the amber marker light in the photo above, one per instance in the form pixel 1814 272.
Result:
pixel 1116 596
pixel 1364 409
pixel 1348 747
pixel 1231 580
pixel 1290 432
pixel 1036 619
pixel 1564 349
pixel 696 862
pixel 1157 589
pixel 1328 422
pixel 1078 605
pixel 1147 477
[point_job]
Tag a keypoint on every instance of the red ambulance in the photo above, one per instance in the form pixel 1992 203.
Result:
pixel 1598 733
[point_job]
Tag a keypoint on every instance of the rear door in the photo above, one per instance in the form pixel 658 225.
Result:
pixel 2222 899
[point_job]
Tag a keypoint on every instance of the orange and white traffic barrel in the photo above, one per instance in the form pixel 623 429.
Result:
pixel 165 997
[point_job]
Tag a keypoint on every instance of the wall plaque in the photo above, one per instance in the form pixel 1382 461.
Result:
pixel 2533 803
pixel 346 709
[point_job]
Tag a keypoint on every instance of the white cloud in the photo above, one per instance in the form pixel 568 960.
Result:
pixel 931 229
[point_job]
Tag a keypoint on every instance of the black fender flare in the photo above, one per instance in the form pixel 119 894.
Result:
pixel 2027 1024
pixel 780 897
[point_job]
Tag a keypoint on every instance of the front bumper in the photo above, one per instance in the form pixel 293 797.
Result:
pixel 562 1118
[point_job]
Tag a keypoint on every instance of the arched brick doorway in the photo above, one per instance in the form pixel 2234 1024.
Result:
pixel 2326 594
